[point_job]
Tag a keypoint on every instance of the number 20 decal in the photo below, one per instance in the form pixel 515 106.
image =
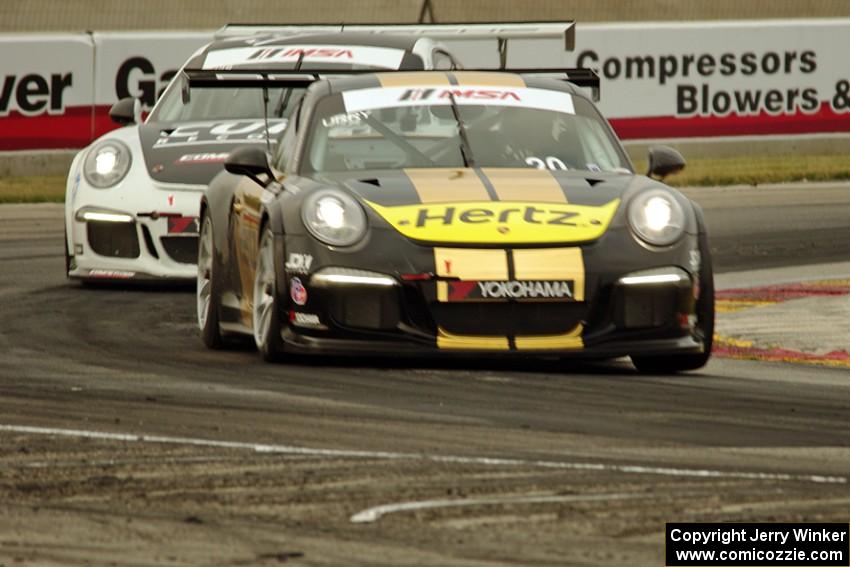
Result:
pixel 549 162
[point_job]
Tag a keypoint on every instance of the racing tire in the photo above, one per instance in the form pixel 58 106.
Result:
pixel 67 254
pixel 208 290
pixel 266 305
pixel 674 363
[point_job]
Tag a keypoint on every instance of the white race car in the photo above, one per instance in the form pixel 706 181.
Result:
pixel 133 195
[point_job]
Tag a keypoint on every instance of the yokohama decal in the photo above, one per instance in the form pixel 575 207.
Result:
pixel 506 290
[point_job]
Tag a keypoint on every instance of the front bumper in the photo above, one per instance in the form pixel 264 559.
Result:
pixel 109 244
pixel 302 344
pixel 633 301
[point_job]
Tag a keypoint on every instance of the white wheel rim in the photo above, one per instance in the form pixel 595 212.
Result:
pixel 205 259
pixel 264 289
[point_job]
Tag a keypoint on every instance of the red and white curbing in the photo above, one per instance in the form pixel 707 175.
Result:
pixel 806 323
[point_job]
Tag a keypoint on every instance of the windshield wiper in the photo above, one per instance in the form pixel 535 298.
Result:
pixel 465 148
pixel 286 94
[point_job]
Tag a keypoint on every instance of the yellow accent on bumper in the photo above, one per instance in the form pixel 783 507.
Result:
pixel 449 341
pixel 571 340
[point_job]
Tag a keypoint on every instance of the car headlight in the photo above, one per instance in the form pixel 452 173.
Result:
pixel 107 163
pixel 656 217
pixel 333 217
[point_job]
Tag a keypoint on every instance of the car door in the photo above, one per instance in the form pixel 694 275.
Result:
pixel 249 200
pixel 245 225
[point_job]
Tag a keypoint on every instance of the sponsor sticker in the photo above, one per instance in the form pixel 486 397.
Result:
pixel 345 120
pixel 183 225
pixel 383 57
pixel 387 97
pixel 557 290
pixel 208 157
pixel 306 320
pixel 299 263
pixel 695 260
pixel 297 292
pixel 499 221
pixel 230 132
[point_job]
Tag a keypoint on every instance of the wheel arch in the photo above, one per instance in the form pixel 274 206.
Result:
pixel 218 201
pixel 700 217
pixel 272 218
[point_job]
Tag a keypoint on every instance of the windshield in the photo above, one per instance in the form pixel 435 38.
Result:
pixel 223 103
pixel 440 126
pixel 240 103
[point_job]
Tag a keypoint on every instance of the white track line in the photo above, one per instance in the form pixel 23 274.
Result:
pixel 452 459
pixel 374 514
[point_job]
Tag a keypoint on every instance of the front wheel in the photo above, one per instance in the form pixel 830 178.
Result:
pixel 208 291
pixel 266 307
pixel 704 326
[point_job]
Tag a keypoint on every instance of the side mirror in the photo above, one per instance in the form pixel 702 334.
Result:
pixel 251 162
pixel 664 161
pixel 126 111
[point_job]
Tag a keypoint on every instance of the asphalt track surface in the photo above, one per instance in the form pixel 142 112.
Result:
pixel 461 463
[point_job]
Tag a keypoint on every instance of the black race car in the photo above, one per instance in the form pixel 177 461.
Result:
pixel 453 212
pixel 132 196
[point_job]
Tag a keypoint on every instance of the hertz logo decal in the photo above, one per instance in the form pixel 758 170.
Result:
pixel 499 221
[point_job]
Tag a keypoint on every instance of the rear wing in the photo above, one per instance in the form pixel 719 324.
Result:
pixel 452 31
pixel 242 78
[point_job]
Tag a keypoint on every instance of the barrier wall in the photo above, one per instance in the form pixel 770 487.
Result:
pixel 695 80
pixel 47 91
pixel 57 89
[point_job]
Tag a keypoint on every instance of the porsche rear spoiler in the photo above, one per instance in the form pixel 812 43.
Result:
pixel 241 78
pixel 451 31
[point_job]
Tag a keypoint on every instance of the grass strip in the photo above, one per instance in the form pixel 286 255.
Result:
pixel 758 170
pixel 748 170
pixel 34 189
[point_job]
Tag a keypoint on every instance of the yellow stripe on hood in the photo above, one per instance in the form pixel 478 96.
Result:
pixel 525 184
pixel 444 185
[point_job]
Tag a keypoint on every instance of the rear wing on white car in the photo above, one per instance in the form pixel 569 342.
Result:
pixel 439 32
pixel 241 78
